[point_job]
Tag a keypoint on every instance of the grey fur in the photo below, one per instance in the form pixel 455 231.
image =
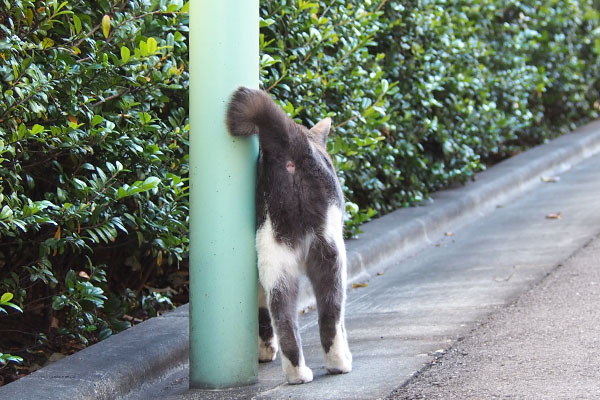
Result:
pixel 296 186
pixel 265 330
pixel 323 271
pixel 285 318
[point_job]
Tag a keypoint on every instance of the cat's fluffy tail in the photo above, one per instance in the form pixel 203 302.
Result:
pixel 252 111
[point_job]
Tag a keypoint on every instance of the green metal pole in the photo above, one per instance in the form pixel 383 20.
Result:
pixel 223 275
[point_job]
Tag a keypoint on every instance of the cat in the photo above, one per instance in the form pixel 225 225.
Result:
pixel 299 215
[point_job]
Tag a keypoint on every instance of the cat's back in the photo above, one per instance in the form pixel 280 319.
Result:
pixel 296 182
pixel 295 186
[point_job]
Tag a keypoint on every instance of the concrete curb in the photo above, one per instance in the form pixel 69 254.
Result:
pixel 404 231
pixel 113 368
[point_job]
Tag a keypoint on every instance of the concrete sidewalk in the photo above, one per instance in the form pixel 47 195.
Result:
pixel 546 345
pixel 443 267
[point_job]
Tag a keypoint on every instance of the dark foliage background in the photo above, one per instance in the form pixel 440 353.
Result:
pixel 94 129
pixel 424 93
pixel 93 166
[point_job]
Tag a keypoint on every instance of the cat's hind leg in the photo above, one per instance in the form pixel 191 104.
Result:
pixel 278 268
pixel 282 303
pixel 327 272
pixel 267 340
pixel 329 286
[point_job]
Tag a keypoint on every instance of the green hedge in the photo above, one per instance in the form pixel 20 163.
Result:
pixel 424 93
pixel 94 126
pixel 93 163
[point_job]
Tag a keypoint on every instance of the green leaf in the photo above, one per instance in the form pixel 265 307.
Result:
pixel 106 25
pixel 20 224
pixel 144 117
pixel 6 297
pixel 122 192
pixel 47 43
pixel 59 302
pixel 36 129
pixel 119 224
pixel 79 184
pixel 21 131
pixel 93 236
pixel 70 279
pixel 266 22
pixel 152 46
pixel 185 8
pixel 96 119
pixel 77 24
pixel 61 194
pixel 144 48
pixel 150 183
pixel 304 5
pixel 267 61
pixel 5 358
pixel 102 234
pixel 125 54
pixel 13 306
pixel 6 212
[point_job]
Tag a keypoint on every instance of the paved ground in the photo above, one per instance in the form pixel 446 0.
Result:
pixel 446 269
pixel 546 345
pixel 421 307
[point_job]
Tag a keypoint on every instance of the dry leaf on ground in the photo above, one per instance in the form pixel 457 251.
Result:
pixel 550 179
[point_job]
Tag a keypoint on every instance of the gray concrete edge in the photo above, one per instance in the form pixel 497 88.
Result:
pixel 145 352
pixel 403 232
pixel 112 368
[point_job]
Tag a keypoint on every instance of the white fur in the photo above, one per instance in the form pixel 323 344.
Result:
pixel 296 375
pixel 267 351
pixel 339 359
pixel 276 261
pixel 334 234
pixel 334 231
pixel 262 296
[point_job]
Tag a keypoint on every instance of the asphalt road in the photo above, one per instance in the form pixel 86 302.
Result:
pixel 546 345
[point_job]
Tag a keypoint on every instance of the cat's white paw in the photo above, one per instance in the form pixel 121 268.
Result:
pixel 339 365
pixel 296 375
pixel 267 351
pixel 301 374
pixel 339 359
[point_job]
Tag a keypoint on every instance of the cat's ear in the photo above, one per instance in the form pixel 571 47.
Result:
pixel 321 129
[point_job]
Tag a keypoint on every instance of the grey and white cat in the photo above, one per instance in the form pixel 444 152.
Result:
pixel 299 209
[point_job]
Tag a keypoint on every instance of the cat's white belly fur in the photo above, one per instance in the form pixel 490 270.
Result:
pixel 276 261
